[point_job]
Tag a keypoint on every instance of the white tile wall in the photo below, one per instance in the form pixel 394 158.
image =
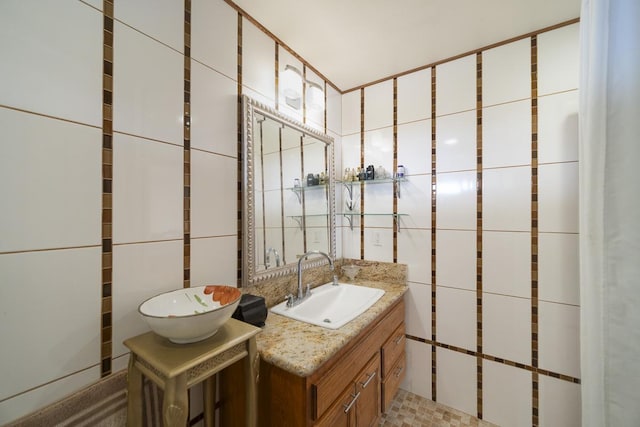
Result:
pixel 415 202
pixel 506 327
pixel 351 113
pixel 378 105
pixel 378 200
pixel 147 87
pixel 334 113
pixel 165 24
pixel 53 299
pixel 456 319
pixel 214 261
pixel 558 338
pixel 506 135
pixel 418 377
pixel 456 200
pixel 414 250
pixel 211 22
pixel 456 142
pixel 414 147
pixel 456 86
pixel 558 198
pixel 51 166
pixel 559 403
pixel 418 310
pixel 213 180
pixel 378 243
pixel 506 73
pixel 506 199
pixel 506 394
pixel 414 96
pixel 558 127
pixel 558 60
pixel 140 272
pixel 558 268
pixel 258 61
pixel 456 259
pixel 456 380
pixel 51 61
pixel 147 190
pixel 506 263
pixel 378 148
pixel 214 101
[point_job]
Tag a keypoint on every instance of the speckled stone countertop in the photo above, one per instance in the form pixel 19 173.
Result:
pixel 301 348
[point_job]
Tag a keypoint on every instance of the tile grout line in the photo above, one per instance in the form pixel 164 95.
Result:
pixel 534 230
pixel 361 166
pixel 496 359
pixel 239 245
pixel 395 167
pixel 106 306
pixel 187 147
pixel 433 232
pixel 479 223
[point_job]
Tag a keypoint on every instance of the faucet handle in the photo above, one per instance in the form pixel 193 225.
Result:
pixel 289 299
pixel 308 291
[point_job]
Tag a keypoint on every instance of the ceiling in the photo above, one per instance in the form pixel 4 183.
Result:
pixel 355 42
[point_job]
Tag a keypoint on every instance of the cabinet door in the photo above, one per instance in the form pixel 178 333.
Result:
pixel 342 412
pixel 368 385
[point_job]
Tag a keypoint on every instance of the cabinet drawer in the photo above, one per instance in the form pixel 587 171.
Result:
pixel 336 416
pixel 391 349
pixel 392 382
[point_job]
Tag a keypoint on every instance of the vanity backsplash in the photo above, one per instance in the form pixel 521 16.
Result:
pixel 275 290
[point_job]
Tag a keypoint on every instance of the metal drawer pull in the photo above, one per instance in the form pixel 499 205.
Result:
pixel 397 340
pixel 369 378
pixel 353 401
pixel 399 371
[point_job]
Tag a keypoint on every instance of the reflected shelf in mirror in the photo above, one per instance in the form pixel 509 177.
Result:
pixel 277 150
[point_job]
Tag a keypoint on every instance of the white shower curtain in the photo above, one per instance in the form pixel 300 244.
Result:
pixel 610 212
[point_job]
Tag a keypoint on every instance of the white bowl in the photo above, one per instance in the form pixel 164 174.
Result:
pixel 190 314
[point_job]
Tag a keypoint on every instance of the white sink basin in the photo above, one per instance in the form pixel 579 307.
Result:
pixel 331 306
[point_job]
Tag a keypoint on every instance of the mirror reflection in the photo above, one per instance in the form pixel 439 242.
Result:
pixel 288 192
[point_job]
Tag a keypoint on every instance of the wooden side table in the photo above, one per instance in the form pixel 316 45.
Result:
pixel 176 367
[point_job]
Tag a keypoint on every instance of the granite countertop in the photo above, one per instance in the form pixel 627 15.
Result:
pixel 301 348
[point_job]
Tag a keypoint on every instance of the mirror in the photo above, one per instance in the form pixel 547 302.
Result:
pixel 288 193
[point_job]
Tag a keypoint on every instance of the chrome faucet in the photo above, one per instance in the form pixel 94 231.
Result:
pixel 293 300
pixel 267 260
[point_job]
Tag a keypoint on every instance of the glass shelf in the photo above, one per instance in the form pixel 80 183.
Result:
pixel 396 181
pixel 298 218
pixel 300 189
pixel 396 217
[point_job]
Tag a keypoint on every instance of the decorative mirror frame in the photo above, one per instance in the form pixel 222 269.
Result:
pixel 250 277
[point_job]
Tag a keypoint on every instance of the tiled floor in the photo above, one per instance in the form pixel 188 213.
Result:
pixel 410 410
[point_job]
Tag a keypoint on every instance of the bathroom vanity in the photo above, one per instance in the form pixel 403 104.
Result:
pixel 312 376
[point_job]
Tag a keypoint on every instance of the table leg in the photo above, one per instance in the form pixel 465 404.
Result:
pixel 176 403
pixel 210 401
pixel 251 373
pixel 134 391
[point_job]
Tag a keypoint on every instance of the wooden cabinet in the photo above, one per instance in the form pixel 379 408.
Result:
pixel 393 366
pixel 350 389
pixel 359 404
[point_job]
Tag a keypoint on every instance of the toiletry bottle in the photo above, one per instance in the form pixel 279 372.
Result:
pixel 310 180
